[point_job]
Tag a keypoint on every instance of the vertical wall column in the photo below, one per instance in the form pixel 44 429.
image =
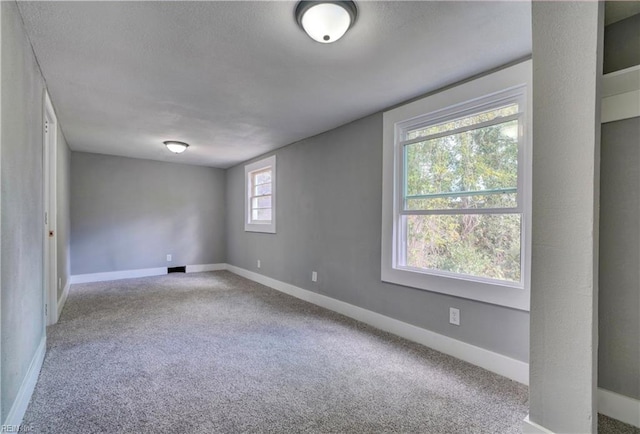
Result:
pixel 567 69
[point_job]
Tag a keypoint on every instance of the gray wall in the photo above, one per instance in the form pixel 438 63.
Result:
pixel 622 44
pixel 22 206
pixel 63 220
pixel 619 309
pixel 129 214
pixel 619 281
pixel 567 60
pixel 329 221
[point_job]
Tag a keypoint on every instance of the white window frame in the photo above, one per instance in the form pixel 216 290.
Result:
pixel 249 169
pixel 502 84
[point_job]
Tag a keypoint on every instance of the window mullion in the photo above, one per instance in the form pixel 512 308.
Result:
pixel 463 193
pixel 260 195
pixel 461 211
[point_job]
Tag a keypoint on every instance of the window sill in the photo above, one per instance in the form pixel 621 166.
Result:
pixel 492 292
pixel 460 276
pixel 266 229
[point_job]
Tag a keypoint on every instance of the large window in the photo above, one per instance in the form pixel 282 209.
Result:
pixel 457 193
pixel 461 209
pixel 260 196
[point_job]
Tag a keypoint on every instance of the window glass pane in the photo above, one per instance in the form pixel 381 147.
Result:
pixel 261 202
pixel 484 245
pixel 473 161
pixel 463 122
pixel 261 215
pixel 261 189
pixel 262 177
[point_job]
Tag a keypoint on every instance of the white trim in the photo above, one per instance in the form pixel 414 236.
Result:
pixel 475 289
pixel 620 407
pixel 27 387
pixel 49 150
pixel 621 94
pixel 117 275
pixel 622 81
pixel 63 298
pixel 494 362
pixel 529 427
pixel 205 267
pixel 141 272
pixel 264 163
pixel 622 106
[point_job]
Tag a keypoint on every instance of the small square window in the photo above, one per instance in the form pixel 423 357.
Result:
pixel 260 196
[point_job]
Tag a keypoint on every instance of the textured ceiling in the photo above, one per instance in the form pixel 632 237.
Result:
pixel 237 79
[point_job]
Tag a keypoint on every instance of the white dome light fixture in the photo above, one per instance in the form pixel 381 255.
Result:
pixel 176 147
pixel 326 21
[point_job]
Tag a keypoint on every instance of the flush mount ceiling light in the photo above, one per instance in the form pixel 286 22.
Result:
pixel 326 21
pixel 176 147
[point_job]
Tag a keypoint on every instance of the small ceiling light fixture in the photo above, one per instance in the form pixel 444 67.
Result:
pixel 326 21
pixel 176 147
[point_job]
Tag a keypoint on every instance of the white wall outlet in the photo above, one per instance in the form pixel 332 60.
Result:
pixel 454 316
pixel 59 282
pixel 259 264
pixel 168 258
pixel 314 276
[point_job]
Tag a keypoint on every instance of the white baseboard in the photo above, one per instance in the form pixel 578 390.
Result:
pixel 620 407
pixel 205 267
pixel 117 275
pixel 21 402
pixel 529 427
pixel 610 404
pixel 63 298
pixel 143 272
pixel 498 363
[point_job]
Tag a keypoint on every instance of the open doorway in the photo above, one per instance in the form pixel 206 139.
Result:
pixel 50 126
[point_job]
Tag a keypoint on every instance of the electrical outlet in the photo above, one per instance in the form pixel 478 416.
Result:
pixel 168 258
pixel 259 264
pixel 314 276
pixel 454 316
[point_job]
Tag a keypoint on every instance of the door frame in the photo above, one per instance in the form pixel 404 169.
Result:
pixel 49 143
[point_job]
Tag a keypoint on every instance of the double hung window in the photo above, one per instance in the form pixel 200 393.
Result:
pixel 260 196
pixel 461 206
pixel 456 190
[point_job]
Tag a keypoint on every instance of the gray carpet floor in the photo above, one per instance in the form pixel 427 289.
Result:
pixel 216 353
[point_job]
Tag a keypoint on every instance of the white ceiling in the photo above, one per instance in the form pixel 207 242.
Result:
pixel 237 79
